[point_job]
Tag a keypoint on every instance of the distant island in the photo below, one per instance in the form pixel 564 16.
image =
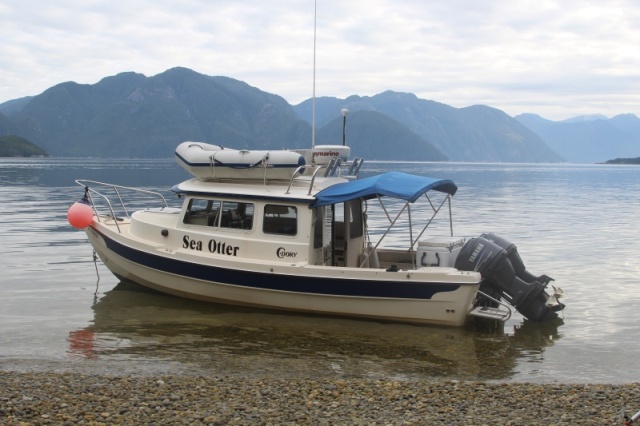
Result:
pixel 15 146
pixel 623 161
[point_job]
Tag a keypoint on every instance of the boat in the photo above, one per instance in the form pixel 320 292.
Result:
pixel 288 230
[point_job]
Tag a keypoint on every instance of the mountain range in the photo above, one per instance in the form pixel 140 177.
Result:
pixel 131 115
pixel 476 133
pixel 588 139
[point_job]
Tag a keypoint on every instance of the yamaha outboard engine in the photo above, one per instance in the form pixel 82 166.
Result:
pixel 516 261
pixel 504 275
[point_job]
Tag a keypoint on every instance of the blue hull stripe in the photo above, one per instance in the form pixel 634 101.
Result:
pixel 274 281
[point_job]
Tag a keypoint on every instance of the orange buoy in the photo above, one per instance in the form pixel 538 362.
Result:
pixel 80 215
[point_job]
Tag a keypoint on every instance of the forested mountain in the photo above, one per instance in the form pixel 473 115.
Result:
pixel 374 136
pixel 131 115
pixel 476 133
pixel 15 146
pixel 6 126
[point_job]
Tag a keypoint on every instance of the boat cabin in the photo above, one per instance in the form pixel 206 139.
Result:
pixel 314 221
pixel 274 230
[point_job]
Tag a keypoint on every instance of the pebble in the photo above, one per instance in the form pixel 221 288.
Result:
pixel 50 398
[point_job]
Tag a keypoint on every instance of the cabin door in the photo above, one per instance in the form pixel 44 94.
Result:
pixel 347 233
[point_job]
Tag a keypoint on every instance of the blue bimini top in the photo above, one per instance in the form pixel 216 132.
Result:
pixel 392 184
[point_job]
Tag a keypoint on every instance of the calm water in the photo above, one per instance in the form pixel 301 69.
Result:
pixel 577 223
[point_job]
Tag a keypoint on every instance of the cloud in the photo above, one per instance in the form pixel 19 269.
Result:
pixel 554 58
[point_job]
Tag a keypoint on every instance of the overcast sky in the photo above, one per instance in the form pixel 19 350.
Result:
pixel 557 58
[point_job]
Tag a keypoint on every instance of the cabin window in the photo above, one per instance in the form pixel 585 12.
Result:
pixel 279 219
pixel 218 214
pixel 237 215
pixel 202 212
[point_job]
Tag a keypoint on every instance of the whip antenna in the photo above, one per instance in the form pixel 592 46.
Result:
pixel 313 102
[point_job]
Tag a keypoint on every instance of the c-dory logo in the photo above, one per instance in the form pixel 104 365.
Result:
pixel 282 253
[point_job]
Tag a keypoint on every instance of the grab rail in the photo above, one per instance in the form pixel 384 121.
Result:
pixel 353 170
pixel 85 183
pixel 299 170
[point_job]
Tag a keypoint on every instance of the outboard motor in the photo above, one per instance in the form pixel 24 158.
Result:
pixel 516 260
pixel 504 275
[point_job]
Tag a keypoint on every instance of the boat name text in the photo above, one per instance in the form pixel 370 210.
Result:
pixel 282 253
pixel 219 247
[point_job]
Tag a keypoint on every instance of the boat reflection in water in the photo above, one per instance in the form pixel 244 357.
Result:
pixel 134 325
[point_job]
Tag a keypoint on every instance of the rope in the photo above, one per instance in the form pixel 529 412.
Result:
pixel 262 162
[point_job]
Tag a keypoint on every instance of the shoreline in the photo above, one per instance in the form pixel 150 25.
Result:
pixel 75 398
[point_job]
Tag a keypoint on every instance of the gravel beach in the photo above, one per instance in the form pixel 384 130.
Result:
pixel 71 398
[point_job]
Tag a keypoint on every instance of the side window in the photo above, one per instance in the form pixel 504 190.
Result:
pixel 279 219
pixel 237 215
pixel 202 212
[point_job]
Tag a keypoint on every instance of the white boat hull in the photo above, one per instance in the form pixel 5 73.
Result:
pixel 428 295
